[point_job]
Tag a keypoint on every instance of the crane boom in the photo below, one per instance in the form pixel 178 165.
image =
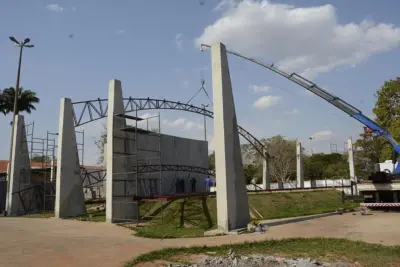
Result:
pixel 332 99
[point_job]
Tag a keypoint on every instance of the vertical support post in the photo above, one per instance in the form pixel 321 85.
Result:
pixel 299 166
pixel 52 173
pixel 70 200
pixel 351 163
pixel 395 196
pixel 351 159
pixel 377 197
pixel 266 172
pixel 20 158
pixel 119 158
pixel 232 199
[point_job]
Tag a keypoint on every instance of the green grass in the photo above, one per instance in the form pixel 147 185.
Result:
pixel 329 249
pixel 270 206
pixel 294 204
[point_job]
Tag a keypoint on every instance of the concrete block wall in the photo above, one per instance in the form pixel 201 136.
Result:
pixel 174 151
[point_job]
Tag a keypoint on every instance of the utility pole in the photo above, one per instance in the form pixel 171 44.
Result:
pixel 21 46
pixel 205 121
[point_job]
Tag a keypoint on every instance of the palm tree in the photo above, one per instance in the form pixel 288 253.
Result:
pixel 2 103
pixel 26 100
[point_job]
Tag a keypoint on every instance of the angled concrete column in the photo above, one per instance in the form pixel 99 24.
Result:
pixel 120 182
pixel 351 160
pixel 232 200
pixel 18 176
pixel 299 166
pixel 70 200
pixel 266 172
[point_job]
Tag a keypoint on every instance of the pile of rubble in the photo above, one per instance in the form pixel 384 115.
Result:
pixel 233 259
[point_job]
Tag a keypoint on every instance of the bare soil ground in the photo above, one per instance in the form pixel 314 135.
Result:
pixel 52 242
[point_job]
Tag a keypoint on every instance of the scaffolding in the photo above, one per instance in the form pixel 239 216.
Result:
pixel 141 146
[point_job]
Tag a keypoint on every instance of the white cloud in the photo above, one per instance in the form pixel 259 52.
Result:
pixel 179 41
pixel 185 84
pixel 258 88
pixel 294 111
pixel 322 135
pixel 183 124
pixel 267 101
pixel 119 32
pixel 55 8
pixel 58 8
pixel 307 40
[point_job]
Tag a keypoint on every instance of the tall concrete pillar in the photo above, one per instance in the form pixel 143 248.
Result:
pixel 232 200
pixel 266 172
pixel 351 160
pixel 70 200
pixel 299 166
pixel 18 178
pixel 119 158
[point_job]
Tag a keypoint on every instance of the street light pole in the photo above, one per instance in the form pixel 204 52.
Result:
pixel 205 122
pixel 311 138
pixel 21 46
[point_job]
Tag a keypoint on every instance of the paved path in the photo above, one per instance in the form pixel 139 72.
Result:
pixel 52 242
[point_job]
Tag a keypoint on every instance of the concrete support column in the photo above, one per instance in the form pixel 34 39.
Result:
pixel 232 200
pixel 351 160
pixel 18 178
pixel 70 200
pixel 120 160
pixel 266 172
pixel 52 171
pixel 299 166
pixel 377 198
pixel 396 196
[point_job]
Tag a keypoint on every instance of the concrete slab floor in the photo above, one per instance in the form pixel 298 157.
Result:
pixel 53 242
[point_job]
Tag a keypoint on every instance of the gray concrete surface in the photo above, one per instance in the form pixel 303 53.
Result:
pixel 70 200
pixel 120 182
pixel 232 201
pixel 62 243
pixel 299 166
pixel 19 170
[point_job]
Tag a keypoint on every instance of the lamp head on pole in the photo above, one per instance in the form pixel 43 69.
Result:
pixel 14 40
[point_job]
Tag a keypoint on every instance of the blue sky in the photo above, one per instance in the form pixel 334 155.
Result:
pixel 349 48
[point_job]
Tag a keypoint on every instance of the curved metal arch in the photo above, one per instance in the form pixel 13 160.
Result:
pixel 92 110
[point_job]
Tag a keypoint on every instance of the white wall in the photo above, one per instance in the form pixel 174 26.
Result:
pixel 307 184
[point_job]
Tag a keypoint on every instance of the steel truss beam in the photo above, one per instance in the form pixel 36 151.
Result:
pixel 91 110
pixel 174 168
pixel 100 176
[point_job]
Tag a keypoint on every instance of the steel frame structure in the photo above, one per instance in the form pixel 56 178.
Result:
pixel 92 110
pixel 100 175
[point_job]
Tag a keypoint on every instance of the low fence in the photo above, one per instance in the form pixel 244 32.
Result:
pixel 339 184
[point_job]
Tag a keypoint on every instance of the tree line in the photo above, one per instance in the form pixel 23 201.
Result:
pixel 368 149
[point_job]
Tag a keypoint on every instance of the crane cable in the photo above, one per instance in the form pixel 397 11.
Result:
pixel 200 89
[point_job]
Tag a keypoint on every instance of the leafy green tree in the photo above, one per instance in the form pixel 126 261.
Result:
pixel 283 163
pixel 100 143
pixel 387 111
pixel 251 171
pixel 26 100
pixel 211 161
pixel 40 158
pixel 326 166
